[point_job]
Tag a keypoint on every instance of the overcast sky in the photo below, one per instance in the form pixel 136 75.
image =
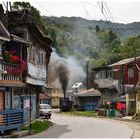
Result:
pixel 124 11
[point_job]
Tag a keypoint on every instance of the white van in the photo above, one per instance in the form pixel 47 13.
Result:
pixel 45 110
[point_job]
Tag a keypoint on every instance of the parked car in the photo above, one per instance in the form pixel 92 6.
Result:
pixel 45 110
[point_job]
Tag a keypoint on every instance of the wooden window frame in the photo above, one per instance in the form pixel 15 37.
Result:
pixel 32 55
pixel 130 72
pixel 41 58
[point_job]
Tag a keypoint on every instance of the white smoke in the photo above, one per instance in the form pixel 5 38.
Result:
pixel 76 72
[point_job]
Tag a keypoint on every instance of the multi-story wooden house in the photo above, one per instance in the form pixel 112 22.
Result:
pixel 38 55
pixel 105 83
pixel 127 73
pixel 12 84
pixel 121 78
pixel 25 55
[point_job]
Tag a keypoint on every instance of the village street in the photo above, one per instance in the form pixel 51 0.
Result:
pixel 84 127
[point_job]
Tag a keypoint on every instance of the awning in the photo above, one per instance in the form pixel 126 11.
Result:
pixel 43 96
pixel 33 81
pixel 86 93
pixel 12 84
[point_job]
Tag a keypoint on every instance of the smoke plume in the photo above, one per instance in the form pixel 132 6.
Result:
pixel 64 72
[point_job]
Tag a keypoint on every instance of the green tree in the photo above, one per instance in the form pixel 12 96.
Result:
pixel 111 44
pixel 131 47
pixel 34 12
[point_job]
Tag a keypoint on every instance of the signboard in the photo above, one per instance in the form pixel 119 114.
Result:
pixel 27 103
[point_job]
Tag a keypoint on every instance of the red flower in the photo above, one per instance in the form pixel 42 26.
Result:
pixel 14 59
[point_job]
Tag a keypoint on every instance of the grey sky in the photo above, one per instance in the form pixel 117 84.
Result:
pixel 123 11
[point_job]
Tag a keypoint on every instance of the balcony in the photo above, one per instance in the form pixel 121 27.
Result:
pixel 10 73
pixel 105 83
pixel 11 119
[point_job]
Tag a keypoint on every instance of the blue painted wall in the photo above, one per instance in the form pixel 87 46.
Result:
pixel 89 103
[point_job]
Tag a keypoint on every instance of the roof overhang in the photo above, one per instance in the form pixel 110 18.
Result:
pixel 4 38
pixel 87 95
pixel 19 39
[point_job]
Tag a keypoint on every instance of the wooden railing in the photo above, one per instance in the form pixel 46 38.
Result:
pixel 10 72
pixel 11 119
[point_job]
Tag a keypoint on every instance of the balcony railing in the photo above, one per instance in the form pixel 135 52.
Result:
pixel 105 83
pixel 11 119
pixel 10 72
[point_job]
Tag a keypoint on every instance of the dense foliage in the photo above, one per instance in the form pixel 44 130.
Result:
pixel 76 37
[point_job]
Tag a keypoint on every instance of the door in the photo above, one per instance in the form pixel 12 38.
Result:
pixel 1 106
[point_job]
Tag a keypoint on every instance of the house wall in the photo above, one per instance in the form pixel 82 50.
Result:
pixel 56 95
pixel 128 79
pixel 36 60
pixel 109 95
pixel 21 100
pixel 138 102
pixel 89 103
pixel 131 103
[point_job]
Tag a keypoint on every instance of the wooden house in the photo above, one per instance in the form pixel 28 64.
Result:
pixel 104 81
pixel 12 84
pixel 88 99
pixel 25 51
pixel 37 54
pixel 128 74
pixel 119 79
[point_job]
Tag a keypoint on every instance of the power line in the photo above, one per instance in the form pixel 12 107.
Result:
pixel 102 10
pixel 92 4
pixel 86 11
pixel 111 16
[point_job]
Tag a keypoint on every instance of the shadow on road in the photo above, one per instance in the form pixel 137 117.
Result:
pixel 55 131
pixel 61 129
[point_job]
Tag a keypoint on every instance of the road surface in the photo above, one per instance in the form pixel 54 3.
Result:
pixel 84 127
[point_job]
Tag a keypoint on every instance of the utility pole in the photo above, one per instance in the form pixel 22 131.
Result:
pixel 87 75
pixel 30 119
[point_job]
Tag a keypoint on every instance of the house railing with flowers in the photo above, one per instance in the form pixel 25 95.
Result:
pixel 11 67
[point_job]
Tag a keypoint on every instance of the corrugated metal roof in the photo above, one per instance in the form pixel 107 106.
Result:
pixel 124 61
pixel 43 96
pixel 90 92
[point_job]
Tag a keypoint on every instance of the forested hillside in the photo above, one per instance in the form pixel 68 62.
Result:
pixel 82 39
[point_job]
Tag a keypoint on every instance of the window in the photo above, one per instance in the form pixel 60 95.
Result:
pixel 45 59
pixel 130 72
pixel 7 100
pixel 110 74
pixel 41 58
pixel 32 54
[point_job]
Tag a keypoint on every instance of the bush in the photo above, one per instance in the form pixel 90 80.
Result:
pixel 38 126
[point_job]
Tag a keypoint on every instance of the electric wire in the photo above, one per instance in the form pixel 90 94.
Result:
pixel 101 7
pixel 112 19
pixel 86 11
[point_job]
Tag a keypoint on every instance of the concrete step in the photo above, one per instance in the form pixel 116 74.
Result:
pixel 17 134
